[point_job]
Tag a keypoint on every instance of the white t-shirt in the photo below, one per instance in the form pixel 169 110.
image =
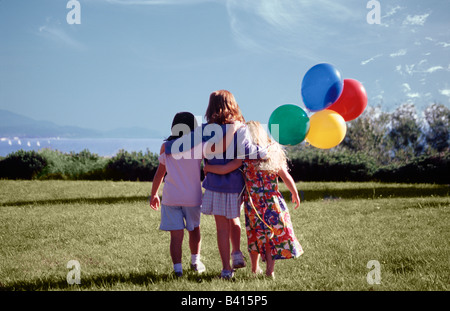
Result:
pixel 182 185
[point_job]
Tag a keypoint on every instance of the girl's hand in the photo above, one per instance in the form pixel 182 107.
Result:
pixel 296 200
pixel 206 168
pixel 289 182
pixel 238 124
pixel 154 202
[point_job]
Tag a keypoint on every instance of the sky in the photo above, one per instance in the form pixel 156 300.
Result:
pixel 138 62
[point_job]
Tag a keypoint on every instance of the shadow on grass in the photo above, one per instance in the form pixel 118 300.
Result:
pixel 106 200
pixel 371 193
pixel 308 195
pixel 105 281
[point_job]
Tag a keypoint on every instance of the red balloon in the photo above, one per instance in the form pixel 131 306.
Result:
pixel 352 102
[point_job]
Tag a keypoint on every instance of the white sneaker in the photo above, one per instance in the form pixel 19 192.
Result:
pixel 198 267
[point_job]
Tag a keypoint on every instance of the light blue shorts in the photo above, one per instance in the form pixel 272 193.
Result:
pixel 179 217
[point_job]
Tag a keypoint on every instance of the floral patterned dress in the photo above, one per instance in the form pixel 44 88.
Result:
pixel 267 217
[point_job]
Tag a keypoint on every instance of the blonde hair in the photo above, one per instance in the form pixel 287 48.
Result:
pixel 276 158
pixel 223 108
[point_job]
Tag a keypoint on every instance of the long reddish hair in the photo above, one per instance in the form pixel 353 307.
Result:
pixel 223 108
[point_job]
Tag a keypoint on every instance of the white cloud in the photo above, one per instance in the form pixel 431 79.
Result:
pixel 418 69
pixel 277 14
pixel 398 68
pixel 444 44
pixel 413 95
pixel 392 11
pixel 156 2
pixel 406 87
pixel 56 33
pixel 433 69
pixel 416 19
pixel 407 90
pixel 293 27
pixel 388 19
pixel 445 92
pixel 401 52
pixel 410 69
pixel 239 34
pixel 365 62
pixel 423 61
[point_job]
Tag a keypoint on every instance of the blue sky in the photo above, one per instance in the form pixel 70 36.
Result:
pixel 138 62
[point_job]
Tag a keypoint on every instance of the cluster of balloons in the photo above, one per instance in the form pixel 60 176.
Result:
pixel 333 100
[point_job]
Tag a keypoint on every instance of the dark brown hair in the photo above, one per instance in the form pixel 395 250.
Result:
pixel 186 118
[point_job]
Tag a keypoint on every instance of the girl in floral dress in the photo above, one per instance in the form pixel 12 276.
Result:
pixel 268 224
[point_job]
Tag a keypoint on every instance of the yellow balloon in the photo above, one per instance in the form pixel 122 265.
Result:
pixel 327 129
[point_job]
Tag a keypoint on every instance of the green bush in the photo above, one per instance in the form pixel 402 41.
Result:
pixel 22 165
pixel 432 168
pixel 305 164
pixel 132 166
pixel 312 164
pixel 53 164
pixel 83 165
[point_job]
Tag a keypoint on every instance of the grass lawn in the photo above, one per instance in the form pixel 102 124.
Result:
pixel 110 230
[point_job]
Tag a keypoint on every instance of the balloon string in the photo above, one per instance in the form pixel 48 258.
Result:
pixel 272 233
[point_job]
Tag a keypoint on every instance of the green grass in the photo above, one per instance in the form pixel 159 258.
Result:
pixel 109 228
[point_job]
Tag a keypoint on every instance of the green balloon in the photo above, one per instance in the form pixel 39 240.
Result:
pixel 289 124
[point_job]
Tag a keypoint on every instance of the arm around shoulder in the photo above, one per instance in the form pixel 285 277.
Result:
pixel 222 169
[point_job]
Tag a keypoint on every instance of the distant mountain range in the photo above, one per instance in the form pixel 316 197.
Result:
pixel 15 125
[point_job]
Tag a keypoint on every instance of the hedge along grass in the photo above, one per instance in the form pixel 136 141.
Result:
pixel 109 228
pixel 307 165
pixel 341 165
pixel 55 165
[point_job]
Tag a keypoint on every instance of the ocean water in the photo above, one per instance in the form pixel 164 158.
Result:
pixel 102 146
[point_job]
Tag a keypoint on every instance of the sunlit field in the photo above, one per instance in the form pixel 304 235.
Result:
pixel 110 230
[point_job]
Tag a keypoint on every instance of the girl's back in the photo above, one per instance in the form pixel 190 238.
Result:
pixel 233 182
pixel 182 183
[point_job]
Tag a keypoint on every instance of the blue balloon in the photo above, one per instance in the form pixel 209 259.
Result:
pixel 321 87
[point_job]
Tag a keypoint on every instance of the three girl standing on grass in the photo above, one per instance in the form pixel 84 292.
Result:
pixel 269 229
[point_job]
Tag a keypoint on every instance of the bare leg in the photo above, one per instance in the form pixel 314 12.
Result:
pixel 223 240
pixel 176 241
pixel 235 234
pixel 195 241
pixel 254 257
pixel 269 261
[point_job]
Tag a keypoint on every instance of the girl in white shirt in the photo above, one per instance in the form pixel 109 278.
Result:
pixel 182 194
